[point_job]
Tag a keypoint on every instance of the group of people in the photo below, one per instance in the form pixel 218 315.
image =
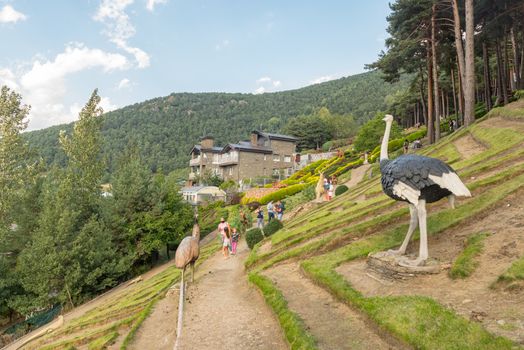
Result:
pixel 329 187
pixel 230 235
pixel 415 145
pixel 273 210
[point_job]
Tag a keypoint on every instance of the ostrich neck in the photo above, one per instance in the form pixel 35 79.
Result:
pixel 385 140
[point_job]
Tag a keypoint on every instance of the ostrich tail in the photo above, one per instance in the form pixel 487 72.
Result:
pixel 451 182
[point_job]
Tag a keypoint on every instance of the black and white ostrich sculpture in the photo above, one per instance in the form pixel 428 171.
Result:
pixel 417 180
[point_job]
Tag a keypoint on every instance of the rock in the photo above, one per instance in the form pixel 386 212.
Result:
pixel 501 322
pixel 466 301
pixel 477 316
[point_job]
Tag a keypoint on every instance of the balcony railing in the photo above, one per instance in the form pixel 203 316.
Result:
pixel 195 161
pixel 223 160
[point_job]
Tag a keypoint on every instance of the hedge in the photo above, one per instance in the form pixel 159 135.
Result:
pixel 282 193
pixel 272 227
pixel 340 189
pixel 253 236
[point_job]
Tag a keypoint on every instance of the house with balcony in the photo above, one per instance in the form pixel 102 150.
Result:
pixel 264 155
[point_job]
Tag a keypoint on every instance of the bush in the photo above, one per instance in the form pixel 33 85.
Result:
pixel 519 94
pixel 340 189
pixel 253 236
pixel 273 227
pixel 282 193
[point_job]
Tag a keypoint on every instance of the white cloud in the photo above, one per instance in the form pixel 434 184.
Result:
pixel 151 4
pixel 119 28
pixel 8 78
pixel 263 80
pixel 44 85
pixel 106 104
pixel 9 15
pixel 124 83
pixel 222 45
pixel 322 79
pixel 266 84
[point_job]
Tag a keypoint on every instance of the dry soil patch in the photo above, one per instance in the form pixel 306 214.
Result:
pixel 468 147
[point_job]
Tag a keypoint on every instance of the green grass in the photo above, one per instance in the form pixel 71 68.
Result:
pixel 466 262
pixel 291 324
pixel 514 276
pixel 103 342
pixel 122 314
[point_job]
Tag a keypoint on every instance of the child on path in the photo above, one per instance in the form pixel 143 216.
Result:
pixel 260 218
pixel 226 242
pixel 270 212
pixel 330 191
pixel 235 236
pixel 221 227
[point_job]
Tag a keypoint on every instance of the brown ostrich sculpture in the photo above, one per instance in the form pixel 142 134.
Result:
pixel 188 251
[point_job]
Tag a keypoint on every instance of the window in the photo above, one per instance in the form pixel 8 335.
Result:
pixel 230 170
pixel 276 157
pixel 265 156
pixel 287 159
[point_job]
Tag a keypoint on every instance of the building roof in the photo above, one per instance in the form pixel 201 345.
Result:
pixel 203 189
pixel 198 148
pixel 278 137
pixel 247 147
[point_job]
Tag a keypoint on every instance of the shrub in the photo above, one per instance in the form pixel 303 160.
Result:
pixel 282 193
pixel 253 236
pixel 273 227
pixel 340 189
pixel 519 94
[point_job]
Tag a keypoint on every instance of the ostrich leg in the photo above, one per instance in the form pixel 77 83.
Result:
pixel 451 200
pixel 423 252
pixel 413 221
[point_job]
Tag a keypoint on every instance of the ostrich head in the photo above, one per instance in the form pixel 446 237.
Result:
pixel 388 118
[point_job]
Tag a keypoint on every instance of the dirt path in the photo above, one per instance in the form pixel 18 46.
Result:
pixel 357 175
pixel 333 324
pixel 500 311
pixel 467 146
pixel 222 311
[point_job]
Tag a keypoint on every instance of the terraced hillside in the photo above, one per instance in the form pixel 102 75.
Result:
pixel 313 272
pixel 112 320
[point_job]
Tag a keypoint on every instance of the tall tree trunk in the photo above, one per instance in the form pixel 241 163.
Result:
pixel 506 71
pixel 469 86
pixel 454 92
pixel 516 57
pixel 500 74
pixel 458 41
pixel 487 78
pixel 431 107
pixel 460 120
pixel 503 74
pixel 435 72
pixel 422 98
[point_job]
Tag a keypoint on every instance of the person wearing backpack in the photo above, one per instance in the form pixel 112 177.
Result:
pixel 280 210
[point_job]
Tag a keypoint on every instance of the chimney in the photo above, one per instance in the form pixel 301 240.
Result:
pixel 254 138
pixel 207 142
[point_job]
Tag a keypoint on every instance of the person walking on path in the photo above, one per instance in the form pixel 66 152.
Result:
pixel 260 218
pixel 221 227
pixel 235 236
pixel 226 242
pixel 270 211
pixel 280 210
pixel 330 191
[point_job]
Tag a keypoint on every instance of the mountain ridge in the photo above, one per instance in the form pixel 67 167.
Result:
pixel 165 128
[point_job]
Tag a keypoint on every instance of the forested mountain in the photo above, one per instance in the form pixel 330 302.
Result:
pixel 164 129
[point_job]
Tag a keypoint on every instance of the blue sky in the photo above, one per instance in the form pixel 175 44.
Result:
pixel 55 52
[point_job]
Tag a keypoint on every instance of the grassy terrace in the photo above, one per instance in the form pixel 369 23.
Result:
pixel 119 317
pixel 292 325
pixel 345 229
pixel 466 263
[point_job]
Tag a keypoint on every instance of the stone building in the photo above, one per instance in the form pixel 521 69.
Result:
pixel 264 155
